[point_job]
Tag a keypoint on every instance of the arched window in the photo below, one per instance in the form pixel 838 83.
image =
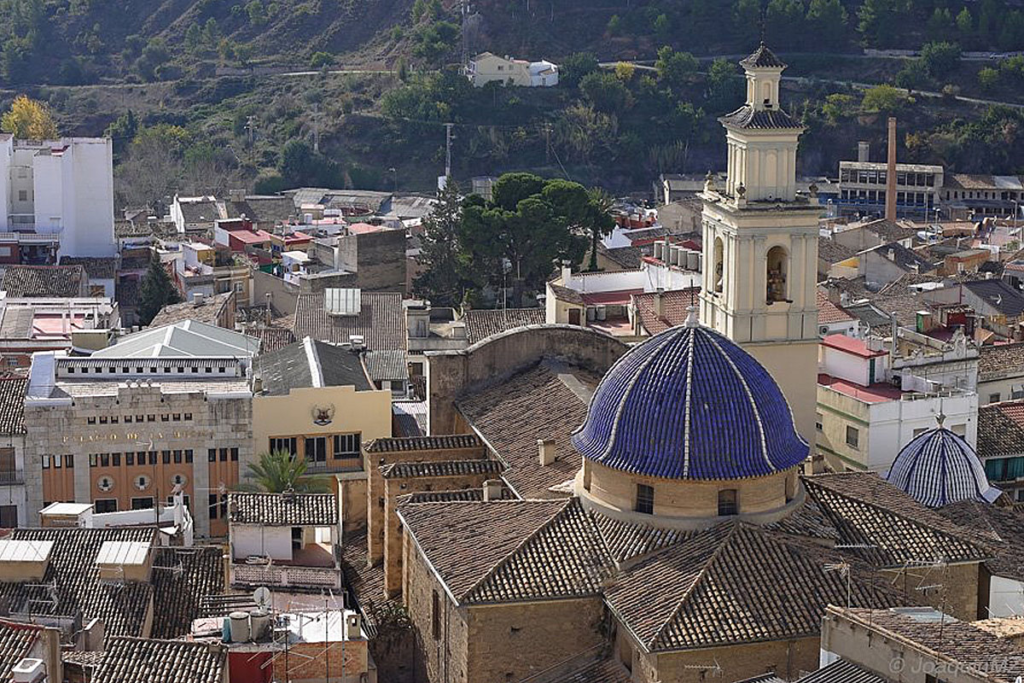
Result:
pixel 719 265
pixel 777 272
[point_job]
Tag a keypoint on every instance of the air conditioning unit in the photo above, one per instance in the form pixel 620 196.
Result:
pixel 105 484
pixel 357 341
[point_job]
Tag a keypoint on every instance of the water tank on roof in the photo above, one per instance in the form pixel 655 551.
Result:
pixel 240 631
pixel 260 622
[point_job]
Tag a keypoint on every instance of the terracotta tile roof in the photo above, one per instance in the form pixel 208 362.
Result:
pixel 806 521
pixel 970 647
pixel 142 660
pixel 566 294
pixel 763 57
pixel 98 268
pixel 424 443
pixel 363 580
pixel 462 495
pixel 626 257
pixel 734 583
pixel 484 323
pixel 628 541
pixel 207 312
pixel 63 282
pixel 16 642
pixel 674 308
pixel 512 415
pixel 747 117
pixel 828 312
pixel 387 365
pixel 832 252
pixel 842 671
pixel 272 338
pixel 1003 529
pixel 283 509
pixel 486 552
pixel 602 671
pixel 381 321
pixel 444 468
pixel 868 511
pixel 76 586
pixel 12 404
pixel 1001 429
pixel 178 594
pixel 1000 360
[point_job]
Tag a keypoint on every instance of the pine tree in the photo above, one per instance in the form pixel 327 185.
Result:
pixel 157 291
pixel 442 280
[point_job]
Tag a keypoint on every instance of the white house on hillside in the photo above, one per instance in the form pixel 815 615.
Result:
pixel 487 67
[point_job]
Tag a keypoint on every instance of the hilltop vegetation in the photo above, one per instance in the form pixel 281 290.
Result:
pixel 154 77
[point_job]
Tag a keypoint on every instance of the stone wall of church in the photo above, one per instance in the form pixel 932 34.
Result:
pixel 685 498
pixel 513 641
pixel 450 373
pixel 393 488
pixel 375 487
pixel 788 659
pixel 953 589
pixel 441 652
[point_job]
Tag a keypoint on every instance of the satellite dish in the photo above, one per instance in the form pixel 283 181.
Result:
pixel 262 597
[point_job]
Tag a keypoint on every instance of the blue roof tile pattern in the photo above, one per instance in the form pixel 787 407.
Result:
pixel 939 468
pixel 690 404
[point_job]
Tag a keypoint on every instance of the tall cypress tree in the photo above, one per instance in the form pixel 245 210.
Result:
pixel 157 291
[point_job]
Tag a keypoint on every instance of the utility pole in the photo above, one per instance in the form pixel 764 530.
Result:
pixel 250 129
pixel 547 143
pixel 448 150
pixel 464 7
pixel 316 128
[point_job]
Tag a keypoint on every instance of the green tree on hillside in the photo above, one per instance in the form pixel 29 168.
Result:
pixel 155 292
pixel 940 58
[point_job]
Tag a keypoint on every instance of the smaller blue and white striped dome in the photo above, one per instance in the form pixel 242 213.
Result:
pixel 939 468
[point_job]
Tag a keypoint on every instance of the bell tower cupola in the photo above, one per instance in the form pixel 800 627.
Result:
pixel 761 242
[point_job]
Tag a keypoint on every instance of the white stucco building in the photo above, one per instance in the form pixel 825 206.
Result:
pixel 60 187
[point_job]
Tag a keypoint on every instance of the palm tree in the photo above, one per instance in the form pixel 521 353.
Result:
pixel 280 471
pixel 601 221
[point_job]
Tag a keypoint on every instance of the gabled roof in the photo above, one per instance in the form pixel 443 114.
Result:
pixel 512 415
pixel 888 527
pixel 178 595
pixel 608 670
pixel 442 442
pixel 1004 528
pixel 734 583
pixel 999 295
pixel 842 671
pixel 675 305
pixel 71 583
pixel 143 660
pixel 16 643
pixel 98 268
pixel 207 312
pixel 184 339
pixel 307 364
pixel 12 404
pixel 502 551
pixel 1000 360
pixel 283 509
pixel 64 282
pixel 442 468
pixel 829 313
pixel 388 366
pixel 1001 429
pixel 484 323
pixel 381 321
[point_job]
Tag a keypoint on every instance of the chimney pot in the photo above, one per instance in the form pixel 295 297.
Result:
pixel 659 303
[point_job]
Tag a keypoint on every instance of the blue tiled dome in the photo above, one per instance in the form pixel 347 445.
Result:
pixel 939 468
pixel 690 404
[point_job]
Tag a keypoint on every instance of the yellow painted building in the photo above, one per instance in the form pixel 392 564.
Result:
pixel 316 401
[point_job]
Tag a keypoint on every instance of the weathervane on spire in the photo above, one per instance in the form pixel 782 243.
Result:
pixel 763 21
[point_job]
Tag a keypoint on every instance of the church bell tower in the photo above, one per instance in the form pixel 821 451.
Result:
pixel 761 243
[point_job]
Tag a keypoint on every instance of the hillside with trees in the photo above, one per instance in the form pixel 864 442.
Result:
pixel 194 95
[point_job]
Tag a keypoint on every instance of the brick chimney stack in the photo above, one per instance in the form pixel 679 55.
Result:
pixel 890 178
